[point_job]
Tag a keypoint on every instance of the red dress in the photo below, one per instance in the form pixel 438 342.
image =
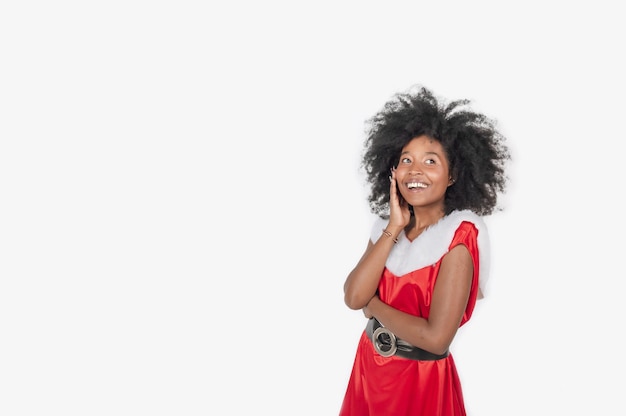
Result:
pixel 396 386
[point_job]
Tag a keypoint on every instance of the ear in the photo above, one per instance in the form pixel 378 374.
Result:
pixel 451 181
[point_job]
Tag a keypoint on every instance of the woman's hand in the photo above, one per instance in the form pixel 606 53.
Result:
pixel 399 214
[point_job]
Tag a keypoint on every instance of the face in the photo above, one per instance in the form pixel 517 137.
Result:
pixel 423 173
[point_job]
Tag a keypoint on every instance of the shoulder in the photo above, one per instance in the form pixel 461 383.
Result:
pixel 455 224
pixel 465 219
pixel 471 231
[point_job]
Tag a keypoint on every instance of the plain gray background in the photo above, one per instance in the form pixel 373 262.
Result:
pixel 181 200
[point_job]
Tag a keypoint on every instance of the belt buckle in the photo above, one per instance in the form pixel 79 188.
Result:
pixel 387 345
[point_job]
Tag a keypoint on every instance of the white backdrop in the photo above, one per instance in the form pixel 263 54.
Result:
pixel 181 200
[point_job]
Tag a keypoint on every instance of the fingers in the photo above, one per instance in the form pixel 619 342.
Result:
pixel 398 207
pixel 393 188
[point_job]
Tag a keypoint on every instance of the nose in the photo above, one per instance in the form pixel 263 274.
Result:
pixel 415 169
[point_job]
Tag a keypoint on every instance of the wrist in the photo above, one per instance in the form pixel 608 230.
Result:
pixel 393 235
pixel 395 229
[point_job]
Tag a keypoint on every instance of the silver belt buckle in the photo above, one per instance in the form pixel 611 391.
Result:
pixel 386 346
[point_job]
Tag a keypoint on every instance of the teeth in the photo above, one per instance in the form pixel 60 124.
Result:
pixel 412 185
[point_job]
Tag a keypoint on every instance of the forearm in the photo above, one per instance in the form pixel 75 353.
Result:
pixel 362 282
pixel 413 329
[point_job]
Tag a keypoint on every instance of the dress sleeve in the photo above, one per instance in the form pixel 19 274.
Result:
pixel 467 234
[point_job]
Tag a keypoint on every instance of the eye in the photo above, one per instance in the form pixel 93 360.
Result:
pixel 405 160
pixel 430 162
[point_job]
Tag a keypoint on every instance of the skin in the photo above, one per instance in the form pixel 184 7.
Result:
pixel 423 160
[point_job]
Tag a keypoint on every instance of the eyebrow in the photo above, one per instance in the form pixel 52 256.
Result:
pixel 428 153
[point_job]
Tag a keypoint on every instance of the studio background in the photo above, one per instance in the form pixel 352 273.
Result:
pixel 181 200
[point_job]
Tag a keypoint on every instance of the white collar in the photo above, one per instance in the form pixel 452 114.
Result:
pixel 428 248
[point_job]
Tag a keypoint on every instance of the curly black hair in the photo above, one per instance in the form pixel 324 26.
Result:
pixel 475 149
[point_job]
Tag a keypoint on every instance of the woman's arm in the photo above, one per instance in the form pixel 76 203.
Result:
pixel 362 282
pixel 450 297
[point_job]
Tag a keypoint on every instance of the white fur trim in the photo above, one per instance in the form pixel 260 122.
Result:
pixel 433 243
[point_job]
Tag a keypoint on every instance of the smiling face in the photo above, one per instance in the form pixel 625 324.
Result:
pixel 423 173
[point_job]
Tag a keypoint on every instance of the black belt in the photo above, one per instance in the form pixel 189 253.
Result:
pixel 386 344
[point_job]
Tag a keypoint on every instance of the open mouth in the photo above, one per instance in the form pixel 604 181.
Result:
pixel 414 185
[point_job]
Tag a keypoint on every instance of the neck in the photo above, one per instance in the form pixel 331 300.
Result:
pixel 422 220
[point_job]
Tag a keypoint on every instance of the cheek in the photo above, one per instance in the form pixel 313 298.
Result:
pixel 442 179
pixel 401 170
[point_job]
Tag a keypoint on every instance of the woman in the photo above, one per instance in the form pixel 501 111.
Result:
pixel 434 170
